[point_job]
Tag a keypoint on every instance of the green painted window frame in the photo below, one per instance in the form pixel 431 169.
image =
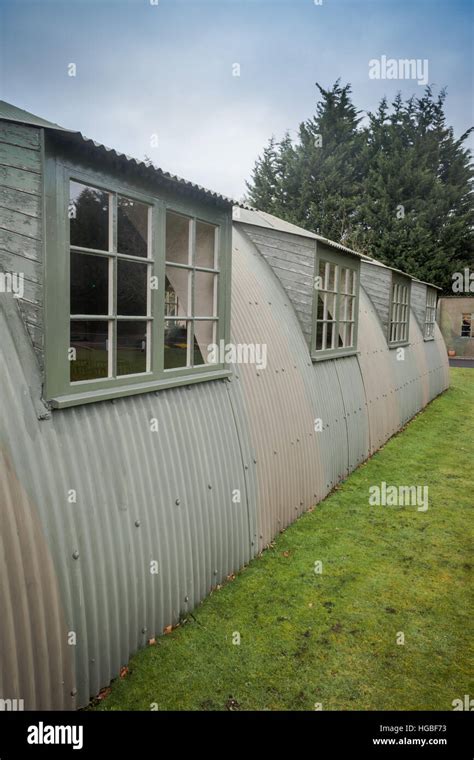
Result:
pixel 399 280
pixel 430 313
pixel 342 260
pixel 59 391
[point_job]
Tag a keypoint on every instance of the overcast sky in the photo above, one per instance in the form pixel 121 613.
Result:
pixel 166 69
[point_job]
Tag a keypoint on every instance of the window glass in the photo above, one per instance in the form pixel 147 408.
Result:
pixel 177 292
pixel 204 337
pixel 205 291
pixel 108 348
pixel 131 347
pixel 335 310
pixel 399 313
pixel 205 245
pixel 90 342
pixel 178 241
pixel 132 288
pixel 176 343
pixel 132 227
pixel 88 217
pixel 89 284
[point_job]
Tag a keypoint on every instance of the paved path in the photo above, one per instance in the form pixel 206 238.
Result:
pixel 461 362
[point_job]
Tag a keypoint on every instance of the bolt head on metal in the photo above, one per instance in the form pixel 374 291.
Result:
pixel 75 554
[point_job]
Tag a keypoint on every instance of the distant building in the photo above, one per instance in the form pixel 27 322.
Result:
pixel 456 321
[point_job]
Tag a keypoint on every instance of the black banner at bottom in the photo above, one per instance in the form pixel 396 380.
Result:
pixel 378 734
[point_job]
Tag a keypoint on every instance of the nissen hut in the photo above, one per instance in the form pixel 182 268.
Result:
pixel 180 380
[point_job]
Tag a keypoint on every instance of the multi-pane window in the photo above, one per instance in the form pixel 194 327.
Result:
pixel 192 281
pixel 430 314
pixel 399 311
pixel 335 323
pixel 467 326
pixel 110 269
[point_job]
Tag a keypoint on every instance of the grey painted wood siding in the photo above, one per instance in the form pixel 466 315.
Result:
pixel 21 222
pixel 292 258
pixel 377 283
pixel 418 302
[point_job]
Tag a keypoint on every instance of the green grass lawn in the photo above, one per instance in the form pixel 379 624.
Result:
pixel 331 638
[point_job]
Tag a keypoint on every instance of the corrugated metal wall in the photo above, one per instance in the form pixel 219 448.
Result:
pixel 166 496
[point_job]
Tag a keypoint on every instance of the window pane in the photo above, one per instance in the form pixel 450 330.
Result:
pixel 322 273
pixel 331 273
pixel 342 308
pixel 131 288
pixel 205 245
pixel 350 308
pixel 89 284
pixel 205 288
pixel 204 336
pixel 132 227
pixel 176 344
pixel 352 281
pixel 177 238
pixel 320 311
pixel 319 336
pixel 177 292
pixel 131 347
pixel 90 340
pixel 329 334
pixel 330 302
pixel 88 217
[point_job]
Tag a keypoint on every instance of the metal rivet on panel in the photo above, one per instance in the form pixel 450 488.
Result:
pixel 209 486
pixel 73 692
pixel 186 598
pixel 137 523
pixel 178 502
pixel 255 461
pixel 144 629
pixel 75 554
pixel 215 572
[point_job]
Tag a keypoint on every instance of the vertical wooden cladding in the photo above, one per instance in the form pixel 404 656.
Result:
pixel 376 280
pixel 21 221
pixel 292 259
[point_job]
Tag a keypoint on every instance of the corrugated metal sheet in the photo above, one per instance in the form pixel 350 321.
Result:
pixel 279 413
pixel 141 496
pixel 167 496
